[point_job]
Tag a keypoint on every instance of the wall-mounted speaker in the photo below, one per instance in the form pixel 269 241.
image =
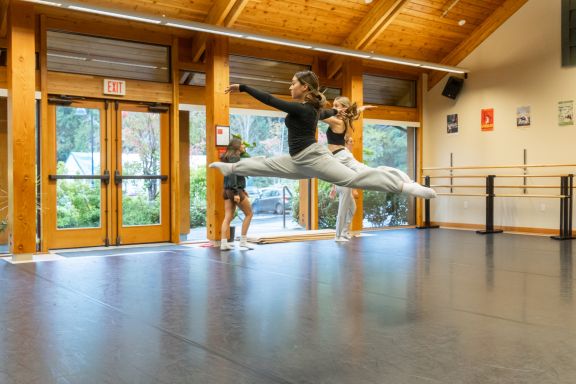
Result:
pixel 453 87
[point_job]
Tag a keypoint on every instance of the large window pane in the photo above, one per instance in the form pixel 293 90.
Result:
pixel 390 146
pixel 78 202
pixel 140 157
pixel 274 200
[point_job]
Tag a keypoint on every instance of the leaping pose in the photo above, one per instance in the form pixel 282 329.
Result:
pixel 307 158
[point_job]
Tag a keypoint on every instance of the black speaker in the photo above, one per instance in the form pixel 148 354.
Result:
pixel 453 87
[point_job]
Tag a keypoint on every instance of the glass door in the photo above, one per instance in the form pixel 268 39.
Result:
pixel 141 165
pixel 108 178
pixel 76 205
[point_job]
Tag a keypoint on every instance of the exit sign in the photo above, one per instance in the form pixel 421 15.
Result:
pixel 114 87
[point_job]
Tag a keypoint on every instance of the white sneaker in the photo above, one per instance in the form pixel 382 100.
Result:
pixel 226 247
pixel 341 239
pixel 417 190
pixel 225 168
pixel 347 235
pixel 244 244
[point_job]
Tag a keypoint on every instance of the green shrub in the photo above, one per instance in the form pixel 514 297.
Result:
pixel 198 197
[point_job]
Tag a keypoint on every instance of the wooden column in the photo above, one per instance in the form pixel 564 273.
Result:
pixel 3 169
pixel 21 129
pixel 175 183
pixel 420 143
pixel 184 172
pixel 45 147
pixel 217 113
pixel 352 87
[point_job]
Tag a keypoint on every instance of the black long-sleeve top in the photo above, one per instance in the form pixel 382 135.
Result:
pixel 302 118
pixel 234 182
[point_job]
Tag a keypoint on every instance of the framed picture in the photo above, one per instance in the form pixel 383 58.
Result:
pixel 487 119
pixel 222 135
pixel 523 116
pixel 452 123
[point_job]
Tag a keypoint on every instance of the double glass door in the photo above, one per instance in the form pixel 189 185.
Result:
pixel 108 174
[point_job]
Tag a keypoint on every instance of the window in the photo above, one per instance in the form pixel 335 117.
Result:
pixel 74 53
pixel 389 91
pixel 392 146
pixel 266 75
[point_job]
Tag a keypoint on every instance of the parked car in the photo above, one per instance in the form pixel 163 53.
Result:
pixel 252 191
pixel 270 200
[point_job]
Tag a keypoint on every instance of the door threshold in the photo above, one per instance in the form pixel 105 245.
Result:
pixel 108 248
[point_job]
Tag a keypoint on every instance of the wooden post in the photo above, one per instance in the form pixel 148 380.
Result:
pixel 217 113
pixel 420 143
pixel 45 147
pixel 175 181
pixel 22 129
pixel 3 169
pixel 352 87
pixel 184 172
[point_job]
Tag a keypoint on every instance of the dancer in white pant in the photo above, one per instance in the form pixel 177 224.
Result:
pixel 339 136
pixel 307 158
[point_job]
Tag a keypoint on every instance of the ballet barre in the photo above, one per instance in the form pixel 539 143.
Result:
pixel 499 167
pixel 566 194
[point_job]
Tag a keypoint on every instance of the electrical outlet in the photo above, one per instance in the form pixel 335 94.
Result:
pixel 465 204
pixel 542 207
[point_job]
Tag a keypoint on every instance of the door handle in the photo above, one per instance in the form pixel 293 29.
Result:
pixel 105 178
pixel 118 178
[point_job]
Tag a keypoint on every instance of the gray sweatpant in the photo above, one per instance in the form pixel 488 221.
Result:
pixel 346 203
pixel 317 161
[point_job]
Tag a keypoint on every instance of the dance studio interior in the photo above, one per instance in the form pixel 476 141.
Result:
pixel 138 246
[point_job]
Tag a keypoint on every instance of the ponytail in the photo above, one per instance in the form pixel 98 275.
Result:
pixel 350 114
pixel 313 96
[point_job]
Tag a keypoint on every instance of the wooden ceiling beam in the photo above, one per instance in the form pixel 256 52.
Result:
pixel 223 13
pixel 371 27
pixel 374 24
pixel 491 24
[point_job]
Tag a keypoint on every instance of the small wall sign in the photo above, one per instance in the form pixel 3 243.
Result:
pixel 114 87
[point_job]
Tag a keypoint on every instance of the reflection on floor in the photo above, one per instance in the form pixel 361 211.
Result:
pixel 401 306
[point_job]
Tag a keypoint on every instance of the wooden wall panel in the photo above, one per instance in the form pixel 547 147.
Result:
pixel 22 129
pixel 92 86
pixel 176 181
pixel 352 87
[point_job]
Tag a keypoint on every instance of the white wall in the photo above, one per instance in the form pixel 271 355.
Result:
pixel 518 65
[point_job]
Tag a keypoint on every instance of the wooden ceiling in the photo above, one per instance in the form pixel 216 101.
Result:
pixel 426 30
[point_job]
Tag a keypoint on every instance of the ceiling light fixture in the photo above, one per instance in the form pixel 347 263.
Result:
pixel 114 14
pixel 341 52
pixel 51 3
pixel 206 29
pixel 276 41
pixel 396 61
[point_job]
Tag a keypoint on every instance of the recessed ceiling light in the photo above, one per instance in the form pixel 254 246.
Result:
pixel 461 22
pixel 367 1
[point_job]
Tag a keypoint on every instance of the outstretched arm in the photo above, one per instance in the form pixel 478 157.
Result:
pixel 365 107
pixel 268 99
